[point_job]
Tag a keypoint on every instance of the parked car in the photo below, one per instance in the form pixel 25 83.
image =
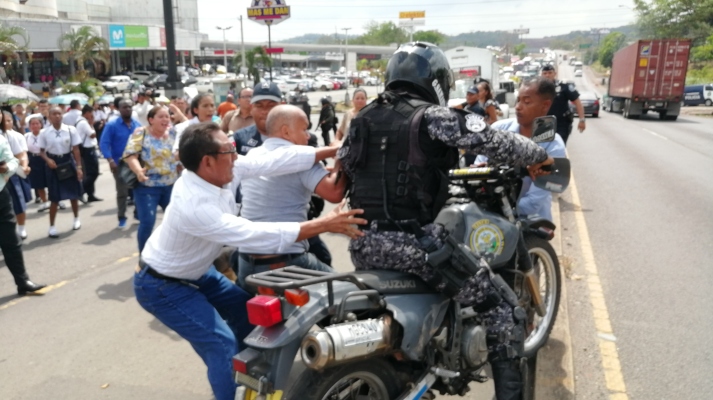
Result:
pixel 341 79
pixel 204 85
pixel 323 84
pixel 142 75
pixel 371 81
pixel 157 81
pixel 117 83
pixel 306 85
pixel 578 73
pixel 284 87
pixel 590 102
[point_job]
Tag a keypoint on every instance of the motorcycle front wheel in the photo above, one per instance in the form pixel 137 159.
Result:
pixel 373 379
pixel 547 271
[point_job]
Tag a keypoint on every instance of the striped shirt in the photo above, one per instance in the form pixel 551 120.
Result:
pixel 201 217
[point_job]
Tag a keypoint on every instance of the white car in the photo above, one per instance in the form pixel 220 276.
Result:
pixel 323 84
pixel 117 83
pixel 284 87
pixel 204 85
pixel 578 73
pixel 292 83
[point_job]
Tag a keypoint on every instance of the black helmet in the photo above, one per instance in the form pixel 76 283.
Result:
pixel 425 67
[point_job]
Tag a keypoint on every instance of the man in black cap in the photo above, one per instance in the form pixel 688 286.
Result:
pixel 471 102
pixel 326 120
pixel 560 106
pixel 266 95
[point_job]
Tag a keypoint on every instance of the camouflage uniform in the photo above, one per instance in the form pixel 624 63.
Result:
pixel 404 252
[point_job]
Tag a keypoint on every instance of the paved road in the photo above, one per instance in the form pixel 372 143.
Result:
pixel 645 192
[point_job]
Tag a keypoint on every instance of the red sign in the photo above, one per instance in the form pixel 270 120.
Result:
pixel 274 50
pixel 162 34
pixel 220 52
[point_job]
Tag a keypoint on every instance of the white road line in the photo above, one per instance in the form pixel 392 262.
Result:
pixel 655 134
pixel 613 375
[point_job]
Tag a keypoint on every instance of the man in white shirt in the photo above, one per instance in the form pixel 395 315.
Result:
pixel 142 107
pixel 88 151
pixel 175 280
pixel 75 111
pixel 285 197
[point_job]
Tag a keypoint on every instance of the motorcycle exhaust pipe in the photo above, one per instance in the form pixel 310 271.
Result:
pixel 344 342
pixel 532 284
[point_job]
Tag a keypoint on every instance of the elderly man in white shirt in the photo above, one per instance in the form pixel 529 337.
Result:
pixel 175 280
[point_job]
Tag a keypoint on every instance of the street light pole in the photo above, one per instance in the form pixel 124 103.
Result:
pixel 347 100
pixel 242 44
pixel 225 47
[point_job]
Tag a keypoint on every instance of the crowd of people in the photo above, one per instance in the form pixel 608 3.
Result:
pixel 238 175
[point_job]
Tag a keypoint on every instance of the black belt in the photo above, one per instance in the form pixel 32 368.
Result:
pixel 34 154
pixel 279 258
pixel 158 275
pixel 57 155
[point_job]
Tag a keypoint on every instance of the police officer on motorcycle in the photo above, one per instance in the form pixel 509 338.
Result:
pixel 396 156
pixel 560 106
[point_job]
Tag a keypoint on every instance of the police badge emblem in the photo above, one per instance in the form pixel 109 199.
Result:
pixel 475 123
pixel 571 87
pixel 252 142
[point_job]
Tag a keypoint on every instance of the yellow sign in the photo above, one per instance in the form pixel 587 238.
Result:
pixel 252 395
pixel 412 14
pixel 643 62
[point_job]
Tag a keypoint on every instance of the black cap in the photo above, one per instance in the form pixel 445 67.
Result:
pixel 548 67
pixel 473 89
pixel 266 91
pixel 324 100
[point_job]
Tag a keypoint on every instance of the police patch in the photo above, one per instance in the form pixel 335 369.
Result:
pixel 252 142
pixel 475 123
pixel 571 87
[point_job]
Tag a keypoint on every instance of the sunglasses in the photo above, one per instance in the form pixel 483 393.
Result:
pixel 231 151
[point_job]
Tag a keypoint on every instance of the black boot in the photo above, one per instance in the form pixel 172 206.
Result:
pixel 507 379
pixel 29 287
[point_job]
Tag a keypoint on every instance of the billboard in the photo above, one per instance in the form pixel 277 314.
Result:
pixel 269 12
pixel 128 36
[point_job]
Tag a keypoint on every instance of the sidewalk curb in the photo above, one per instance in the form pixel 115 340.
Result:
pixel 554 375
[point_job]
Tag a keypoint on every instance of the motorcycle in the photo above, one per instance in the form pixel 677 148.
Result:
pixel 381 334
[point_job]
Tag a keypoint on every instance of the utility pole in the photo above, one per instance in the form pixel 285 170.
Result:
pixel 225 47
pixel 242 44
pixel 173 85
pixel 347 100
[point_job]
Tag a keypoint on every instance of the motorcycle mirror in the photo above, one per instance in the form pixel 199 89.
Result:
pixel 544 129
pixel 558 180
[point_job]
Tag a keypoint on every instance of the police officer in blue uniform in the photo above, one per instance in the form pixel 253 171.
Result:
pixel 266 95
pixel 560 106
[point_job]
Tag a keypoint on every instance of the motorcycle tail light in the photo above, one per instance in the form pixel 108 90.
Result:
pixel 548 233
pixel 265 291
pixel 297 297
pixel 240 366
pixel 264 310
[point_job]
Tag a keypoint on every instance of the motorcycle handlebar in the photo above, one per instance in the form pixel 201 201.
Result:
pixel 473 173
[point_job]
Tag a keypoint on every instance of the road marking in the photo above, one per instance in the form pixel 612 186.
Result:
pixel 655 134
pixel 50 288
pixel 613 375
pixel 44 290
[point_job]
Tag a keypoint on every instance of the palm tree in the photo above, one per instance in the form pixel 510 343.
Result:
pixel 81 46
pixel 9 46
pixel 253 59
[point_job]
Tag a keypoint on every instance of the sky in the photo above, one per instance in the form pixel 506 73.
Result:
pixel 542 17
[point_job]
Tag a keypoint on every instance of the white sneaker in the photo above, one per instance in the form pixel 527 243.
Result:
pixel 44 207
pixel 53 233
pixel 62 205
pixel 76 224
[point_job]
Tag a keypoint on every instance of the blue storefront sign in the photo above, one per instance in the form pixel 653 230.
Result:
pixel 117 36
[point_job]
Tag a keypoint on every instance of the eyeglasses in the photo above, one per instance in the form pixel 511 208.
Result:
pixel 231 151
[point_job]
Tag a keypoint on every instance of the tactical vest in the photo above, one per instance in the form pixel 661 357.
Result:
pixel 397 171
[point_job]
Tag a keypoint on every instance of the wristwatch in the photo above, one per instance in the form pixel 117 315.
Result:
pixel 581 120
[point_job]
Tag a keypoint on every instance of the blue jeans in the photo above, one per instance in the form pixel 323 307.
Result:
pixel 306 260
pixel 209 316
pixel 146 200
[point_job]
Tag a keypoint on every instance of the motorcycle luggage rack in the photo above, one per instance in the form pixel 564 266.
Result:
pixel 296 277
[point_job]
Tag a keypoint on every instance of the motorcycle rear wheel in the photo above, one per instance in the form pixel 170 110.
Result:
pixel 547 270
pixel 373 379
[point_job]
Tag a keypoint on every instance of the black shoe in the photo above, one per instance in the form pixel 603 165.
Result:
pixel 28 287
pixel 92 199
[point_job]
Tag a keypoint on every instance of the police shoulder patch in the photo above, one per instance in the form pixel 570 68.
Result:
pixel 571 87
pixel 475 123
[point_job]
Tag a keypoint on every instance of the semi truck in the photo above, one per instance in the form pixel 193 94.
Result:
pixel 649 75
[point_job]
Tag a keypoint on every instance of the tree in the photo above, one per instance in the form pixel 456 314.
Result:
pixel 254 60
pixel 82 46
pixel 675 18
pixel 703 52
pixel 362 64
pixel 381 34
pixel 90 86
pixel 610 45
pixel 433 36
pixel 9 45
pixel 519 49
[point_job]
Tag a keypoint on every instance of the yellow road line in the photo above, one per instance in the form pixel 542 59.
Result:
pixel 613 375
pixel 50 288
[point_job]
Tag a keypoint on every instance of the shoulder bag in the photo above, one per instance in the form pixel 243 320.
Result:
pixel 125 172
pixel 66 170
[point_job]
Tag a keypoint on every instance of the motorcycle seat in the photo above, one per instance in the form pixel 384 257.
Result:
pixel 393 282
